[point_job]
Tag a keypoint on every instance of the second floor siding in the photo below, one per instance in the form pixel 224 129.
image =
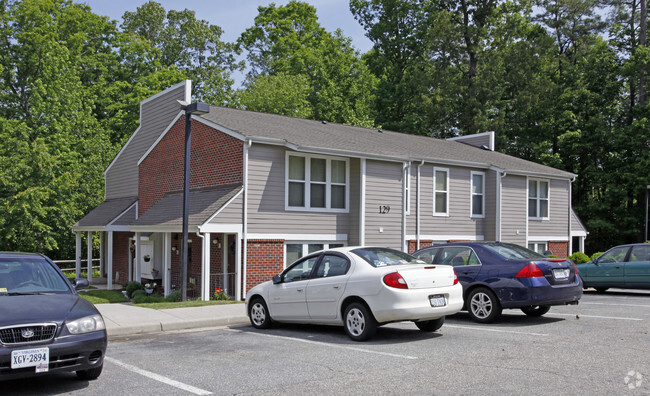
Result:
pixel 556 226
pixel 513 209
pixel 383 196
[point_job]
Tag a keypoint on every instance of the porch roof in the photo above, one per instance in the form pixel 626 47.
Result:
pixel 107 212
pixel 203 203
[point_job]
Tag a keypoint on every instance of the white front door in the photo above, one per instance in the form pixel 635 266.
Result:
pixel 146 258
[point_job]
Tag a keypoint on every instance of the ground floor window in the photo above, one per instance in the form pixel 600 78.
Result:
pixel 295 250
pixel 539 247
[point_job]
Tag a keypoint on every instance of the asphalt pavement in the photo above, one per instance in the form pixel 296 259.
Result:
pixel 128 319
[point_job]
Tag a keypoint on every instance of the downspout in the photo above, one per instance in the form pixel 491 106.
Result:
pixel 203 274
pixel 247 145
pixel 405 166
pixel 362 204
pixel 417 210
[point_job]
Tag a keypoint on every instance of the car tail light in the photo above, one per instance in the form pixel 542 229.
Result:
pixel 455 277
pixel 530 271
pixel 394 279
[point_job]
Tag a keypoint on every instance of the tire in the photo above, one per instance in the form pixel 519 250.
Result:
pixel 90 374
pixel 483 306
pixel 430 325
pixel 537 310
pixel 358 322
pixel 601 289
pixel 258 313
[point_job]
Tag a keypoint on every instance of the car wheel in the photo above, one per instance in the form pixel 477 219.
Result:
pixel 601 289
pixel 90 374
pixel 430 325
pixel 483 306
pixel 359 322
pixel 259 315
pixel 537 310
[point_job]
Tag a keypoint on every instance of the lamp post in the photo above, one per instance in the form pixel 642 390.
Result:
pixel 197 108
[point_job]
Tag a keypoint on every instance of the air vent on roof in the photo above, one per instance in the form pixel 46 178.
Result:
pixel 324 122
pixel 485 147
pixel 380 131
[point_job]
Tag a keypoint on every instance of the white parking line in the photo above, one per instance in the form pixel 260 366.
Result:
pixel 482 328
pixel 158 377
pixel 593 316
pixel 617 305
pixel 328 345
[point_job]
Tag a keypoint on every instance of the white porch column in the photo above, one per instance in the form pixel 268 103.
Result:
pixel 205 268
pixel 89 255
pixel 137 273
pixel 102 260
pixel 167 262
pixel 224 264
pixel 238 270
pixel 109 260
pixel 78 254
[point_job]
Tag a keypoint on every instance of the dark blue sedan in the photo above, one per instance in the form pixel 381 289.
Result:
pixel 45 326
pixel 497 276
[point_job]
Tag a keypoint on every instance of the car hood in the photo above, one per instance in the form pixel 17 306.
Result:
pixel 43 308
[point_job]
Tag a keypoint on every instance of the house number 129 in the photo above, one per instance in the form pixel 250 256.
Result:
pixel 384 209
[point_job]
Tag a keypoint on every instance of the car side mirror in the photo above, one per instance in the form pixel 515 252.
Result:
pixel 277 279
pixel 81 283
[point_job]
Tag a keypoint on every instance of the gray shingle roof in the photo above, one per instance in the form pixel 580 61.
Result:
pixel 357 141
pixel 203 203
pixel 106 212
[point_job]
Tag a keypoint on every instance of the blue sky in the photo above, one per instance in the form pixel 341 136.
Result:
pixel 234 16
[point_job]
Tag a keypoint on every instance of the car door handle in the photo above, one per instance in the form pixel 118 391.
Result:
pixel 336 287
pixel 299 290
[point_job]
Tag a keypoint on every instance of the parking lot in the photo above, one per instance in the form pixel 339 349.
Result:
pixel 597 347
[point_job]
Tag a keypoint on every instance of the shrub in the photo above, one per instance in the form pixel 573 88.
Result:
pixel 138 293
pixel 579 258
pixel 144 298
pixel 595 255
pixel 174 297
pixel 133 286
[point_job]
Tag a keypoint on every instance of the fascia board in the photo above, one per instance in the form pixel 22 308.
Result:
pixel 218 127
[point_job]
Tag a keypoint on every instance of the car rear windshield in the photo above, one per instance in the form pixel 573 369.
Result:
pixel 30 275
pixel 511 251
pixel 380 257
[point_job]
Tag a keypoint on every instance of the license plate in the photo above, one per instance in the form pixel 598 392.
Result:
pixel 36 357
pixel 438 300
pixel 561 273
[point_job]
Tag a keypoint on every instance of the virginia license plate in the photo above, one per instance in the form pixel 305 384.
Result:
pixel 36 357
pixel 561 273
pixel 438 300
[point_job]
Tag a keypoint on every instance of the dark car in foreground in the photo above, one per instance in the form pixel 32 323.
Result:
pixel 625 267
pixel 497 276
pixel 45 327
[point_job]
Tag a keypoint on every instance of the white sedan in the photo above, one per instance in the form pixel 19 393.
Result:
pixel 360 288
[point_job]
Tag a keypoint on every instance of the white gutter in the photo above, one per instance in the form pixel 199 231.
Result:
pixel 405 167
pixel 247 144
pixel 500 175
pixel 362 203
pixel 417 209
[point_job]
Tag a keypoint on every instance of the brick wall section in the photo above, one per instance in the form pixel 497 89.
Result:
pixel 559 248
pixel 216 158
pixel 265 259
pixel 121 256
pixel 423 243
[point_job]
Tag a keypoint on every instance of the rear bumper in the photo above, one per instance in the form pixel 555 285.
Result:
pixel 534 294
pixel 69 353
pixel 394 305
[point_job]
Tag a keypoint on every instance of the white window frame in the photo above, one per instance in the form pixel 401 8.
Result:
pixel 536 246
pixel 328 183
pixel 305 248
pixel 538 199
pixel 471 195
pixel 436 213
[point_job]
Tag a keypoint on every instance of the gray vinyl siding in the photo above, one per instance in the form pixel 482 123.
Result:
pixel 383 188
pixel 490 225
pixel 558 223
pixel 232 213
pixel 513 209
pixel 355 201
pixel 155 116
pixel 266 209
pixel 459 222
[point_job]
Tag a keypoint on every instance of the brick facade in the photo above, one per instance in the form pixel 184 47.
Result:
pixel 423 243
pixel 121 256
pixel 216 159
pixel 559 248
pixel 265 259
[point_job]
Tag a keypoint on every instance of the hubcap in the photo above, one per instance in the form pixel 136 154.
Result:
pixel 356 322
pixel 258 314
pixel 481 305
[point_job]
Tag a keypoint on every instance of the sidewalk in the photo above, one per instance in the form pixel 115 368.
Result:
pixel 127 319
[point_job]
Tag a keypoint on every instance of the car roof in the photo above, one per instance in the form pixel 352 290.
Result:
pixel 20 254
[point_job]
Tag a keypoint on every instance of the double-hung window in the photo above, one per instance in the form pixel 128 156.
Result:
pixel 317 183
pixel 440 191
pixel 538 199
pixel 478 194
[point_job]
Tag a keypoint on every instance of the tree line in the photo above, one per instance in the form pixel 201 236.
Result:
pixel 560 82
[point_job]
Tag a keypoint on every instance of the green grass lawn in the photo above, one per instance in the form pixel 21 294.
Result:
pixel 116 296
pixel 103 296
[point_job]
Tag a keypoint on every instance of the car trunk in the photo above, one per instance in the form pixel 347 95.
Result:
pixel 556 271
pixel 427 276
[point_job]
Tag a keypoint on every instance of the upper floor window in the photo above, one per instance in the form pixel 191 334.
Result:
pixel 538 197
pixel 478 194
pixel 316 183
pixel 440 192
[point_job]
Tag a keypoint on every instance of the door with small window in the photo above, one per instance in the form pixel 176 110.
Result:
pixel 464 260
pixel 287 299
pixel 326 288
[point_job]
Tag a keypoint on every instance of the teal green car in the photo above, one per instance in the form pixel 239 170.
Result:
pixel 625 266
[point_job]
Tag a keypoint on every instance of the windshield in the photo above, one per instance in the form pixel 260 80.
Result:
pixel 380 257
pixel 30 275
pixel 512 251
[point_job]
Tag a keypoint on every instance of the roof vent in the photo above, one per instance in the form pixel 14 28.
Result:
pixel 324 122
pixel 380 131
pixel 485 147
